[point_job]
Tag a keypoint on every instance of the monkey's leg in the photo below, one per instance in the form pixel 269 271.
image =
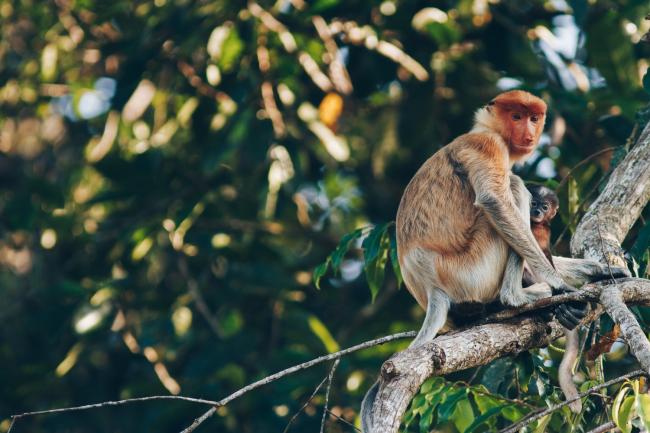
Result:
pixel 512 293
pixel 580 271
pixel 435 318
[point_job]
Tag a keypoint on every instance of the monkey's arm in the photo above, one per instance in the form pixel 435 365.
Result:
pixel 581 271
pixel 488 172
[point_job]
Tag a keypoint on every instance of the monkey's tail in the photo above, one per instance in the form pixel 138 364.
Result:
pixel 565 371
pixel 366 408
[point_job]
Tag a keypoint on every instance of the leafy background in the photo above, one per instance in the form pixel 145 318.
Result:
pixel 173 171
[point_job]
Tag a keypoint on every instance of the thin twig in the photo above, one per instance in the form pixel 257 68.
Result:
pixel 574 217
pixel 583 162
pixel 605 428
pixel 294 369
pixel 311 397
pixel 343 420
pixel 112 403
pixel 534 416
pixel 327 393
pixel 338 72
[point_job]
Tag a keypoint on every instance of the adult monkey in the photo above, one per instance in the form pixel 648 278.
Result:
pixel 463 225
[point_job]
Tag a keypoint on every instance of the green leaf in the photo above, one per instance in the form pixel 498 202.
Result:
pixel 433 384
pixel 375 252
pixel 618 415
pixel 426 419
pixel 418 404
pixel 624 418
pixel 643 407
pixel 320 271
pixel 542 424
pixel 375 275
pixel 372 243
pixel 231 51
pixel 447 407
pixel 343 247
pixel 483 418
pixel 497 374
pixel 512 413
pixel 463 415
pixel 394 260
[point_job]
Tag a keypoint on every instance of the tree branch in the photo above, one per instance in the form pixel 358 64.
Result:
pixel 16 417
pixel 612 300
pixel 291 370
pixel 628 188
pixel 233 396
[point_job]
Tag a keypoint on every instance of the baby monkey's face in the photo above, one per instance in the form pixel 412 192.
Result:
pixel 543 205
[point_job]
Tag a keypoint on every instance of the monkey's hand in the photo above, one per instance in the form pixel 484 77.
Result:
pixel 571 313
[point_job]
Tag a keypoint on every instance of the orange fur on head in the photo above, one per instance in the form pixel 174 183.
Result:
pixel 518 117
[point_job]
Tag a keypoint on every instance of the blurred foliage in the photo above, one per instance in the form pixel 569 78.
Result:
pixel 173 171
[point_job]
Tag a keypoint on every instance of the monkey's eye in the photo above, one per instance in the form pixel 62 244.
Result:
pixel 533 203
pixel 516 116
pixel 534 119
pixel 545 208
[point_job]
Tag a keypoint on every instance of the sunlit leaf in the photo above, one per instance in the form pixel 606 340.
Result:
pixel 619 414
pixel 463 415
pixel 320 271
pixel 321 331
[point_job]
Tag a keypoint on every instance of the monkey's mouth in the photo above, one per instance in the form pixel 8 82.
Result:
pixel 536 218
pixel 525 147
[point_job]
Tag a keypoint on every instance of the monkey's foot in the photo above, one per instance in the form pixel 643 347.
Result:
pixel 570 314
pixel 526 295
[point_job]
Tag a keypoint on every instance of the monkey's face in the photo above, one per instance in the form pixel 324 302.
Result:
pixel 520 117
pixel 543 205
pixel 523 129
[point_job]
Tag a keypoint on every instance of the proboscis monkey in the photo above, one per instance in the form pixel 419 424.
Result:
pixel 463 225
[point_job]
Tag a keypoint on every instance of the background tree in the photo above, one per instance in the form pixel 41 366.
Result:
pixel 173 171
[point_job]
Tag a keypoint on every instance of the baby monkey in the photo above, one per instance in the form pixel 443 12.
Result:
pixel 543 208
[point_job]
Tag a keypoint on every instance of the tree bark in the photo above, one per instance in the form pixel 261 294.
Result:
pixel 603 228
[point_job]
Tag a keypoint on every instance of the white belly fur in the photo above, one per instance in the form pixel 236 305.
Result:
pixel 477 280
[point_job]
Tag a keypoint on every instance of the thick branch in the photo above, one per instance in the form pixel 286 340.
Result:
pixel 613 302
pixel 404 373
pixel 604 227
pixel 617 208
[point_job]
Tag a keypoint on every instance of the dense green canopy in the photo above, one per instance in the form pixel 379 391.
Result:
pixel 173 171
